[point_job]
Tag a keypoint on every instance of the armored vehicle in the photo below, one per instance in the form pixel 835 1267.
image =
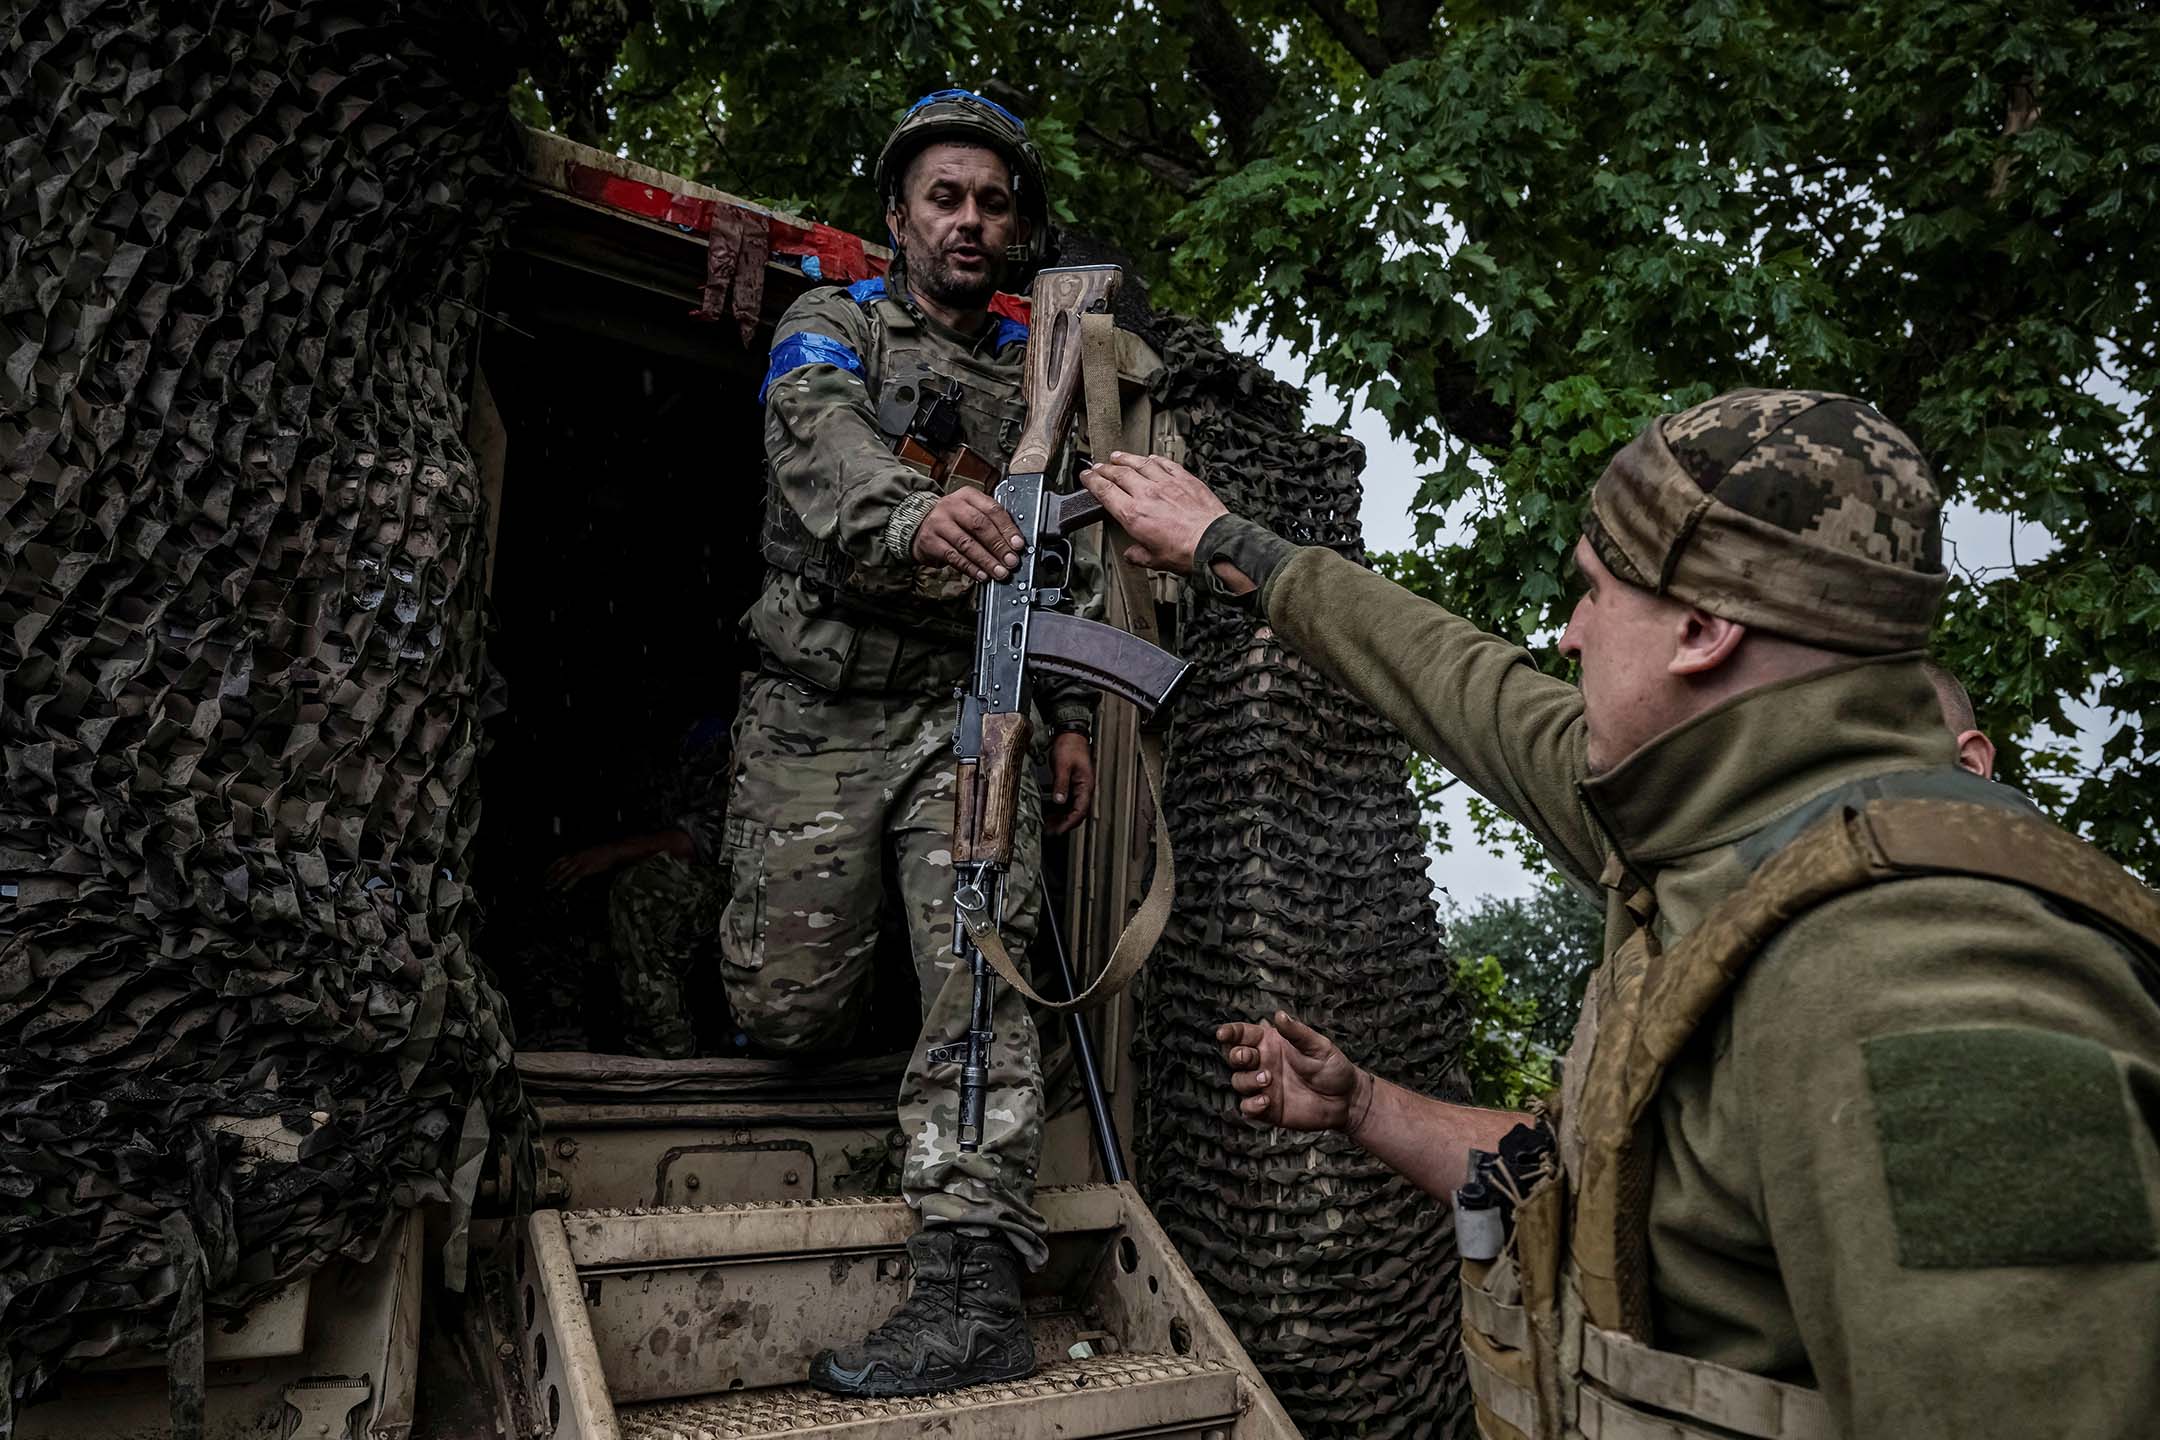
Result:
pixel 704 1226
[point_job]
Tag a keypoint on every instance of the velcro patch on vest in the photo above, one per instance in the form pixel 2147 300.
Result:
pixel 2006 1147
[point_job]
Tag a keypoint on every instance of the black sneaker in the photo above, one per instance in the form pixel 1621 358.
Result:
pixel 962 1324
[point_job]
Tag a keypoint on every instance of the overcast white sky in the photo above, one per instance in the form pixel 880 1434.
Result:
pixel 1980 540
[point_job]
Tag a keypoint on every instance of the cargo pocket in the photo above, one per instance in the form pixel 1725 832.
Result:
pixel 742 920
pixel 805 632
pixel 1497 1351
pixel 1511 1324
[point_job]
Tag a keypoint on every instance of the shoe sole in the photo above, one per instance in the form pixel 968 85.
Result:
pixel 903 1390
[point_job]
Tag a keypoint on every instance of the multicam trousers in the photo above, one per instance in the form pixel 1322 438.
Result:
pixel 826 785
pixel 659 912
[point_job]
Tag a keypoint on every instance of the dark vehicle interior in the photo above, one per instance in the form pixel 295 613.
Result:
pixel 631 481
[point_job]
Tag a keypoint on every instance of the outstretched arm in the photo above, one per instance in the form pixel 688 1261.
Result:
pixel 1289 1074
pixel 1474 702
pixel 605 859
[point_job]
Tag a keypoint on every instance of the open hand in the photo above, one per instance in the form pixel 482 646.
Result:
pixel 598 860
pixel 585 864
pixel 1072 781
pixel 1291 1075
pixel 1164 507
pixel 969 532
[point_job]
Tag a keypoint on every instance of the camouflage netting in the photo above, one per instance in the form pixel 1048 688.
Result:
pixel 1302 885
pixel 241 678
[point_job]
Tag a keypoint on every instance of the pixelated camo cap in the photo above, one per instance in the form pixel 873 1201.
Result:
pixel 1802 513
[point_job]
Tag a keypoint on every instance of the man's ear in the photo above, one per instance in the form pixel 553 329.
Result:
pixel 1702 642
pixel 1975 752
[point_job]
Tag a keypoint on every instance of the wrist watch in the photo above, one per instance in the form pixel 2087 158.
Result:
pixel 1085 729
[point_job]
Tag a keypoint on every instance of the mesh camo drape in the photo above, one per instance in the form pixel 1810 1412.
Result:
pixel 241 673
pixel 1301 885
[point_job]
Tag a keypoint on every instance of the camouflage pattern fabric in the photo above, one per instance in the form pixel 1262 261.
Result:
pixel 603 965
pixel 241 675
pixel 845 605
pixel 693 795
pixel 1301 884
pixel 1805 513
pixel 836 797
pixel 662 912
pixel 564 965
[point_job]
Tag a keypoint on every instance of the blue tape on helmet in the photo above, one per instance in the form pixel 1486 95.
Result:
pixel 806 347
pixel 936 95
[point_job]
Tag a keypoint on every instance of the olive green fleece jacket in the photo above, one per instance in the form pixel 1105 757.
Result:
pixel 2009 1285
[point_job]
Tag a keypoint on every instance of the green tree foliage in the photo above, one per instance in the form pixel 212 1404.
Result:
pixel 1508 1068
pixel 1522 964
pixel 1518 231
pixel 1545 943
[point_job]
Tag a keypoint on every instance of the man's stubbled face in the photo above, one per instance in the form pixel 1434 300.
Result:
pixel 955 218
pixel 1623 636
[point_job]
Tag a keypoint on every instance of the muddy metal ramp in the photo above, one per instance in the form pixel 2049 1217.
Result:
pixel 699 1324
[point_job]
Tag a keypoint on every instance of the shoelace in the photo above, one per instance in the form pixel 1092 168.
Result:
pixel 914 1313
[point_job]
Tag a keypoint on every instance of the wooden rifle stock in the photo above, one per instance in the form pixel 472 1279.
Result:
pixel 987 802
pixel 1053 359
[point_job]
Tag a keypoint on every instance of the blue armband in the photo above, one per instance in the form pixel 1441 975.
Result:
pixel 806 347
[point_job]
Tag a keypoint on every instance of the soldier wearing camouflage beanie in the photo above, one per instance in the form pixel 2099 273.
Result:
pixel 1849 1102
pixel 1805 514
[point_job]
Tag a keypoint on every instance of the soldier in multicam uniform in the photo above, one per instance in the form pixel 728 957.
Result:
pixel 843 799
pixel 1857 1136
pixel 666 896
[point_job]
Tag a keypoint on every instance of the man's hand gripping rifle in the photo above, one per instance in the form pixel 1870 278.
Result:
pixel 1018 634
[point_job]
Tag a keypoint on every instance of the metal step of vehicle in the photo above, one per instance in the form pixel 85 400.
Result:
pixel 702 1322
pixel 1107 1395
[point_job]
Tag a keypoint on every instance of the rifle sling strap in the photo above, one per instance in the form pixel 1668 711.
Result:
pixel 1099 380
pixel 1141 931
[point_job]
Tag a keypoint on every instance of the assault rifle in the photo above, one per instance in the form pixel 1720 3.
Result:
pixel 1018 635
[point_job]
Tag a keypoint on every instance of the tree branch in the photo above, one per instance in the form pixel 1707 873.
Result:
pixel 1166 168
pixel 571 63
pixel 1350 32
pixel 1467 408
pixel 1406 28
pixel 1241 84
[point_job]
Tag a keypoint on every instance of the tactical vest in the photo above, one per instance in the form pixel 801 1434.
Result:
pixel 1556 1329
pixel 905 363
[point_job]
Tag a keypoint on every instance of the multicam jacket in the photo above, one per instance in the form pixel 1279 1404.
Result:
pixel 845 605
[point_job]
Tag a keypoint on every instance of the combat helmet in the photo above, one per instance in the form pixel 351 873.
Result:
pixel 962 115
